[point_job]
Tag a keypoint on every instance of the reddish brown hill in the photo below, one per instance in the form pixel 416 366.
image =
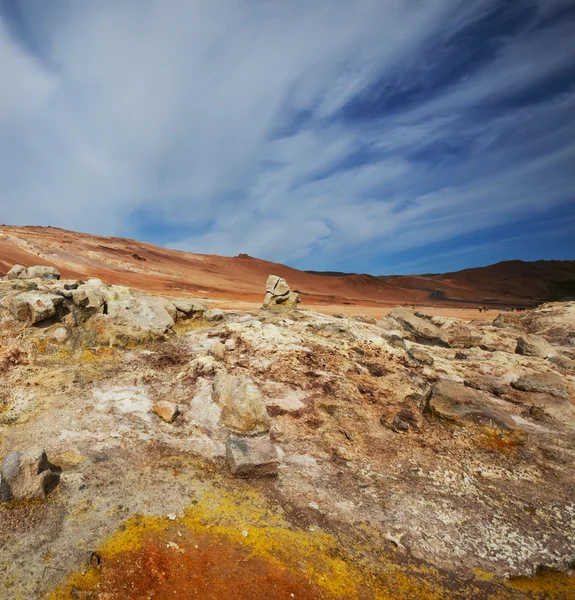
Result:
pixel 160 270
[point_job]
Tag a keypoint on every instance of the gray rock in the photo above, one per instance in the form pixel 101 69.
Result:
pixel 454 402
pixel 34 307
pixel 27 475
pixel 543 383
pixel 420 356
pixel 214 314
pixel 44 272
pixel 488 383
pixel 190 307
pixel 17 272
pixel 243 406
pixel 534 345
pixel 278 294
pixel 252 456
pixel 422 329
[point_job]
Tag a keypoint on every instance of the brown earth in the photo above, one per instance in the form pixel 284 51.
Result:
pixel 240 279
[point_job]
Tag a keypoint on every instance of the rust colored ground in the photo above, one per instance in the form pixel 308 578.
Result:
pixel 202 566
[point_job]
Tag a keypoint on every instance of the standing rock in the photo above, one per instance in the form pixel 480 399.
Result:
pixel 17 272
pixel 251 456
pixel 278 294
pixel 27 475
pixel 168 411
pixel 243 406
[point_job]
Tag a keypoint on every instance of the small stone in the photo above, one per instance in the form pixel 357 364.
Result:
pixel 251 456
pixel 214 314
pixel 420 356
pixel 460 356
pixel 218 350
pixel 230 345
pixel 27 475
pixel 168 411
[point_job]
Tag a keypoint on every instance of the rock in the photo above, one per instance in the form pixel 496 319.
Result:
pixel 168 411
pixel 60 334
pixel 243 406
pixel 34 307
pixel 455 402
pixel 508 320
pixel 461 335
pixel 555 321
pixel 563 363
pixel 89 297
pixel 214 314
pixel 420 356
pixel 218 350
pixel 190 307
pixel 460 356
pixel 17 272
pixel 422 329
pixel 543 383
pixel 44 272
pixel 401 418
pixel 204 366
pixel 252 456
pixel 534 345
pixel 27 475
pixel 230 344
pixel 278 294
pixel 495 385
pixel 142 313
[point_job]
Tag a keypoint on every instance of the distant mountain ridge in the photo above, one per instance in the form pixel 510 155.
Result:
pixel 173 272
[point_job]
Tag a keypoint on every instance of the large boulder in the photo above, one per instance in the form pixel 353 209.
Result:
pixel 190 308
pixel 34 307
pixel 251 456
pixel 90 297
pixel 421 328
pixel 242 403
pixel 148 314
pixel 543 383
pixel 278 294
pixel 44 272
pixel 27 475
pixel 457 403
pixel 17 272
pixel 534 345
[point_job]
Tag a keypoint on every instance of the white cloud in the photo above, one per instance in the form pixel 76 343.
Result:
pixel 186 109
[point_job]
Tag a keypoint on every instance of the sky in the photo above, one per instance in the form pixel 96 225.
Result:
pixel 378 136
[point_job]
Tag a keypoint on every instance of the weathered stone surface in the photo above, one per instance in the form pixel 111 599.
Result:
pixel 251 456
pixel 460 334
pixel 168 411
pixel 27 475
pixel 89 296
pixel 214 314
pixel 401 418
pixel 16 272
pixel 508 320
pixel 34 307
pixel 420 356
pixel 454 402
pixel 242 403
pixel 41 271
pixel 141 313
pixel 204 366
pixel 423 330
pixel 218 350
pixel 277 286
pixel 190 307
pixel 278 294
pixel 544 383
pixel 488 383
pixel 534 345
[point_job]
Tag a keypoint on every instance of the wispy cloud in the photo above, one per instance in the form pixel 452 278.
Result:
pixel 325 134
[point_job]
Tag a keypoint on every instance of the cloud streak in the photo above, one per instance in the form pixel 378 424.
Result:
pixel 330 135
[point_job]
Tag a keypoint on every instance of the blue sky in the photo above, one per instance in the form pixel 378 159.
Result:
pixel 381 136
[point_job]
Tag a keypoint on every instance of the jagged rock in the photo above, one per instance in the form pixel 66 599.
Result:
pixel 455 402
pixel 214 314
pixel 204 366
pixel 90 296
pixel 27 475
pixel 422 329
pixel 142 313
pixel 218 350
pixel 168 411
pixel 508 320
pixel 533 345
pixel 555 321
pixel 16 272
pixel 34 307
pixel 420 356
pixel 251 456
pixel 278 294
pixel 44 272
pixel 544 383
pixel 190 307
pixel 401 418
pixel 461 335
pixel 243 406
pixel 488 383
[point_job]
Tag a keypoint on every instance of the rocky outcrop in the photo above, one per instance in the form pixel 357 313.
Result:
pixel 455 402
pixel 419 327
pixel 34 307
pixel 20 272
pixel 278 294
pixel 251 456
pixel 534 345
pixel 543 383
pixel 27 475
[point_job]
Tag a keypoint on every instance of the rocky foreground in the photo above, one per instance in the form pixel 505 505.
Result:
pixel 156 448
